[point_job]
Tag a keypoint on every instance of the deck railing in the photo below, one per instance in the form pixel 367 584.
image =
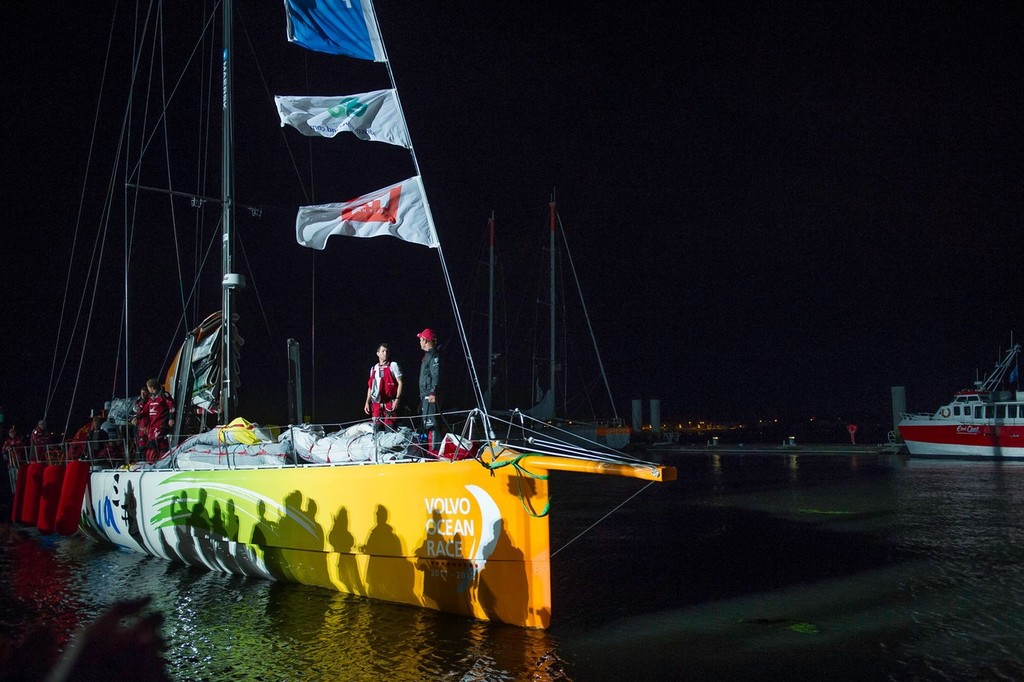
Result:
pixel 111 453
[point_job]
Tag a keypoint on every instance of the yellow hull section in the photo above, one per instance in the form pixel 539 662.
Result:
pixel 468 537
pixel 452 536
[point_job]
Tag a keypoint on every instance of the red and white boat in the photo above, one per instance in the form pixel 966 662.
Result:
pixel 986 421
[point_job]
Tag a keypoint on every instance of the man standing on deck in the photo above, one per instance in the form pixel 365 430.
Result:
pixel 160 416
pixel 140 423
pixel 14 446
pixel 384 388
pixel 13 449
pixel 98 441
pixel 14 454
pixel 40 440
pixel 430 375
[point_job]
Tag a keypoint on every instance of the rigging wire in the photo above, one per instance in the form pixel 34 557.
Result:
pixel 601 520
pixel 586 314
pixel 308 193
pixel 183 323
pixel 54 373
pixel 130 207
pixel 463 339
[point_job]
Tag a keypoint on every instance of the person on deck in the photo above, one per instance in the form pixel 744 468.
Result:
pixel 98 441
pixel 140 420
pixel 430 376
pixel 384 388
pixel 14 455
pixel 160 417
pixel 40 440
pixel 14 447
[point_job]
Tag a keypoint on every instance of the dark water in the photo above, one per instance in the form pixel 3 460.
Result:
pixel 749 567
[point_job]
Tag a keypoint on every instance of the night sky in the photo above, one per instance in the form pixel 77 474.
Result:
pixel 773 211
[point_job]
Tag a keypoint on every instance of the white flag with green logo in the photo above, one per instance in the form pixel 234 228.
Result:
pixel 373 116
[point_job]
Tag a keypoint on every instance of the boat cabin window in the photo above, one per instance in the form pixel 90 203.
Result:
pixel 979 411
pixel 1000 411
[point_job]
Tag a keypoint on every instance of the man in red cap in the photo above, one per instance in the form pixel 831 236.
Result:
pixel 430 375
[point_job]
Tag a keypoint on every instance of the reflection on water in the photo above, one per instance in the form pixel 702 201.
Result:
pixel 792 567
pixel 221 626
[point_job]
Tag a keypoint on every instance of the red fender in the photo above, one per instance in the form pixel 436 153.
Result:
pixel 49 498
pixel 69 511
pixel 33 488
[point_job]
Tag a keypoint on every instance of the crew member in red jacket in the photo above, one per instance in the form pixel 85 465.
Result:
pixel 14 446
pixel 384 388
pixel 40 440
pixel 160 417
pixel 140 422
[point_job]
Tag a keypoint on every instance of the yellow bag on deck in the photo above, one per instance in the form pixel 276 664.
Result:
pixel 238 431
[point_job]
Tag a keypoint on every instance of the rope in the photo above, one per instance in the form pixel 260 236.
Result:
pixel 519 482
pixel 591 526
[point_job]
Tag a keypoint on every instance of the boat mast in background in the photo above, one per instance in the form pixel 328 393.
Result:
pixel 995 378
pixel 546 408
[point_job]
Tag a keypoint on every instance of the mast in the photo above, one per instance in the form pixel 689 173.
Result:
pixel 230 279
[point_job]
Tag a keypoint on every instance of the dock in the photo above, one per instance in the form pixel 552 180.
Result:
pixel 820 449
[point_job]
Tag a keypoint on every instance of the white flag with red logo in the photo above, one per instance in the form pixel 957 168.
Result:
pixel 397 211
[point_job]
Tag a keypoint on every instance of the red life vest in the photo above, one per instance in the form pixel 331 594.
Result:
pixel 387 389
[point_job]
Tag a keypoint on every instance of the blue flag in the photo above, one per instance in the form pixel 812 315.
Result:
pixel 1013 376
pixel 345 27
